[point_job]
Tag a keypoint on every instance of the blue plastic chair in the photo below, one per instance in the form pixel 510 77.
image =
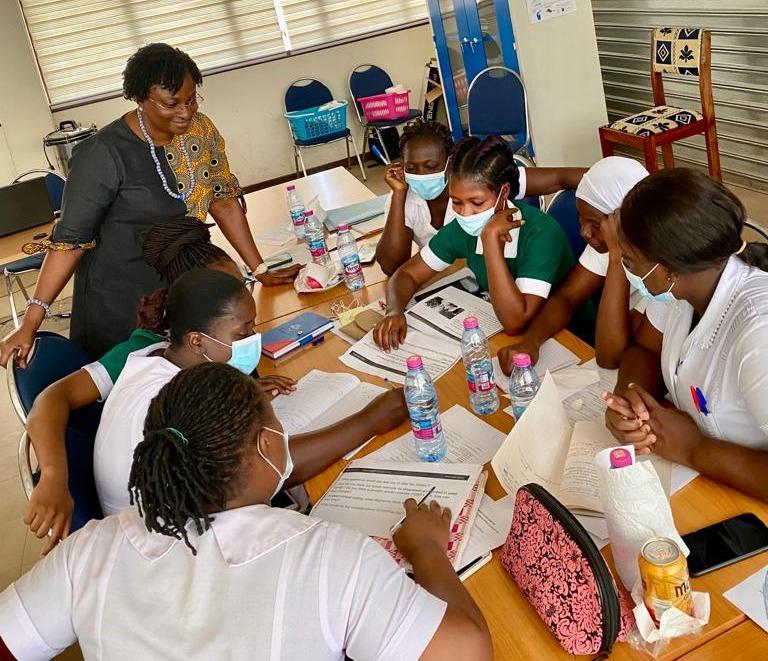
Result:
pixel 52 358
pixel 12 271
pixel 562 207
pixel 368 80
pixel 309 93
pixel 498 105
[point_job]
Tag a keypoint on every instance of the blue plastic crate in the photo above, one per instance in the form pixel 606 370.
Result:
pixel 317 122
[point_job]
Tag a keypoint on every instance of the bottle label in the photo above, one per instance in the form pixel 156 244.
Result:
pixel 352 267
pixel 480 381
pixel 426 429
pixel 297 218
pixel 317 247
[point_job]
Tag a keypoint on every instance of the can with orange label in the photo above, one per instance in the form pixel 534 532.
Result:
pixel 664 574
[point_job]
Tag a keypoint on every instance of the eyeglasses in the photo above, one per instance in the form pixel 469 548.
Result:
pixel 195 101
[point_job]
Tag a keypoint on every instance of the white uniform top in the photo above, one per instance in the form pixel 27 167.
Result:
pixel 597 263
pixel 419 220
pixel 725 356
pixel 122 424
pixel 265 584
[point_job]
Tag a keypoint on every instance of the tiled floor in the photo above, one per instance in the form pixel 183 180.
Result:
pixel 18 549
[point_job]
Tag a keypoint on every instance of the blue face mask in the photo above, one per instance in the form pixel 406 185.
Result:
pixel 638 283
pixel 246 353
pixel 426 186
pixel 475 223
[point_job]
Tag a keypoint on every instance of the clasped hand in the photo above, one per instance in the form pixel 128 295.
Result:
pixel 637 418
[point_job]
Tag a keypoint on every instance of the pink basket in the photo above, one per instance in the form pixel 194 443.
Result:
pixel 386 106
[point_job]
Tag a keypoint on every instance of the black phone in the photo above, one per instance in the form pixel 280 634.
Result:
pixel 724 543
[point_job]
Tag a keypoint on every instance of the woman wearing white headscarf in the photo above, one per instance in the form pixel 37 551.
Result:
pixel 598 196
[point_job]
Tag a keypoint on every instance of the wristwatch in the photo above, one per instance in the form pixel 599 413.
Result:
pixel 261 269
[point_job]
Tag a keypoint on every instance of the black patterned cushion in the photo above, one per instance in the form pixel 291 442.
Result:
pixel 655 120
pixel 677 50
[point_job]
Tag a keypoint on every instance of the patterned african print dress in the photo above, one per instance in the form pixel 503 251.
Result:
pixel 112 197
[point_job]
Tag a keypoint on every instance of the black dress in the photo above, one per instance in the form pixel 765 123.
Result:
pixel 113 195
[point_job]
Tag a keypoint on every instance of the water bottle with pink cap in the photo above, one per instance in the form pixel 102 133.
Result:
pixel 523 384
pixel 421 399
pixel 477 362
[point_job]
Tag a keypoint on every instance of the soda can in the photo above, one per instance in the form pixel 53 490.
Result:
pixel 664 575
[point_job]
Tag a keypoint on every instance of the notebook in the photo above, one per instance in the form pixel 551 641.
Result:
pixel 293 334
pixel 352 214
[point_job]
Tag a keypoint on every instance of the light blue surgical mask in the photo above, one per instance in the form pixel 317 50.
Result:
pixel 475 223
pixel 286 472
pixel 246 353
pixel 638 283
pixel 427 186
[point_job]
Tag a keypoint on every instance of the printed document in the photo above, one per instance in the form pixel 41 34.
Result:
pixel 491 527
pixel 553 356
pixel 443 314
pixel 439 356
pixel 470 440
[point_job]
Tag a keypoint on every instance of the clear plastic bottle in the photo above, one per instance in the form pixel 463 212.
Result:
pixel 296 210
pixel 350 259
pixel 523 384
pixel 421 399
pixel 477 362
pixel 314 235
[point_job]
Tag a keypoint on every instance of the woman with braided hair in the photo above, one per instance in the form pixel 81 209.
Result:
pixel 203 567
pixel 210 316
pixel 517 259
pixel 419 204
pixel 172 249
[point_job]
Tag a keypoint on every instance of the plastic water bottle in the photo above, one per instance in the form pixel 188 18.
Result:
pixel 296 209
pixel 314 234
pixel 350 259
pixel 523 384
pixel 421 399
pixel 477 362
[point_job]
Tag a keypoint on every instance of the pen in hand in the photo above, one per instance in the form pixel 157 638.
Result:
pixel 421 502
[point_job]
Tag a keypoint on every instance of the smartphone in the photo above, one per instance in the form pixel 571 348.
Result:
pixel 724 543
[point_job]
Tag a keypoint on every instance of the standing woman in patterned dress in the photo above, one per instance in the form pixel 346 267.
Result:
pixel 156 163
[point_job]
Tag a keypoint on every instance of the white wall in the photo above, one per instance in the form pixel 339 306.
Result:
pixel 24 113
pixel 246 104
pixel 561 70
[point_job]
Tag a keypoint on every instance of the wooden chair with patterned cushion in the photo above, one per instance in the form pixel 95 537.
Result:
pixel 682 52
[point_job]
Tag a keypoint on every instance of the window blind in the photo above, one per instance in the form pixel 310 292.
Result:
pixel 82 45
pixel 313 22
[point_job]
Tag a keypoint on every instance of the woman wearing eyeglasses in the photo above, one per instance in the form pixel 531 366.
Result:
pixel 158 162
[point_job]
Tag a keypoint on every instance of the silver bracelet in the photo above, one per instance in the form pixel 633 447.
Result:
pixel 42 304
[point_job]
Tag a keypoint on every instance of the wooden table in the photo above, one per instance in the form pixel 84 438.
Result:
pixel 517 631
pixel 267 211
pixel 10 246
pixel 745 642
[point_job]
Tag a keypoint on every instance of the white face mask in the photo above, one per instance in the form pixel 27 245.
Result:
pixel 475 223
pixel 287 470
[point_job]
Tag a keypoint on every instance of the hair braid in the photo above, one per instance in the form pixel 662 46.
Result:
pixel 180 245
pixel 195 434
pixel 489 162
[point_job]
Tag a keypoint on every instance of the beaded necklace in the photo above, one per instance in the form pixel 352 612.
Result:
pixel 153 152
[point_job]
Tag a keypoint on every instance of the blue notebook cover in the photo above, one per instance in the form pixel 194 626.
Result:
pixel 355 213
pixel 294 333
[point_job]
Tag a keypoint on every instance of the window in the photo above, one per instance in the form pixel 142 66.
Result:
pixel 82 45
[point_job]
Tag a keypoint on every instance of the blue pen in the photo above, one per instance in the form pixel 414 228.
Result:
pixel 702 401
pixel 378 154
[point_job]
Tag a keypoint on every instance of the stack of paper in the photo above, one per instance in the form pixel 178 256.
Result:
pixel 553 356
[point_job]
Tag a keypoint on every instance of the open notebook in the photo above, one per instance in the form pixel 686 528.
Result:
pixel 544 448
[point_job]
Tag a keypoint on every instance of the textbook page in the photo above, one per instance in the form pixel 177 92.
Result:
pixel 439 356
pixel 536 448
pixel 491 527
pixel 443 314
pixel 580 487
pixel 315 393
pixel 368 496
pixel 470 440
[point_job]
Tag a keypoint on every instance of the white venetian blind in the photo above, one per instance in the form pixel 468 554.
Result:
pixel 82 45
pixel 312 22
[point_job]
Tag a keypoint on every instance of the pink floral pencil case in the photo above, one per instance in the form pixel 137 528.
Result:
pixel 557 566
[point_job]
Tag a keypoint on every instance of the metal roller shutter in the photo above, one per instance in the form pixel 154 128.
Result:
pixel 739 74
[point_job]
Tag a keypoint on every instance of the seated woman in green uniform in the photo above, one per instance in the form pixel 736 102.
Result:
pixel 516 261
pixel 158 162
